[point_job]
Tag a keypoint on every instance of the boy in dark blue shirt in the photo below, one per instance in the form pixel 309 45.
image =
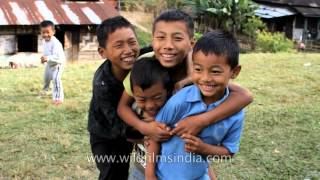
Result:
pixel 119 46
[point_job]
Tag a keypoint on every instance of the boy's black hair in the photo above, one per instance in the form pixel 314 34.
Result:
pixel 109 26
pixel 172 15
pixel 220 43
pixel 46 23
pixel 148 71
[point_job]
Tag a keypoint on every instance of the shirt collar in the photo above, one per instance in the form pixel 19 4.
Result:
pixel 51 39
pixel 194 95
pixel 108 72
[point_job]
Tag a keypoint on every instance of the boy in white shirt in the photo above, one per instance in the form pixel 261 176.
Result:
pixel 54 57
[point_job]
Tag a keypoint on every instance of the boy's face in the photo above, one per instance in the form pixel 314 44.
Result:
pixel 47 32
pixel 171 42
pixel 150 100
pixel 211 74
pixel 122 48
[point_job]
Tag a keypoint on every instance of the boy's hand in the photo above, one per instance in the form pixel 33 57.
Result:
pixel 177 86
pixel 44 59
pixel 189 125
pixel 157 131
pixel 146 141
pixel 150 172
pixel 180 84
pixel 193 144
pixel 151 177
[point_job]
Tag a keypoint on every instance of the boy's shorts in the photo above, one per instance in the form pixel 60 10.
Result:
pixel 135 172
pixel 138 163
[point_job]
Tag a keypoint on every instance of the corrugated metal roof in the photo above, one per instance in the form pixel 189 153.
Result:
pixel 268 11
pixel 308 12
pixel 32 12
pixel 306 3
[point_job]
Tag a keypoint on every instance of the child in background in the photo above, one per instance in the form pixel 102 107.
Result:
pixel 54 58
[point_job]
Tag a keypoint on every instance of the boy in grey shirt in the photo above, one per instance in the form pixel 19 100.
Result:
pixel 54 57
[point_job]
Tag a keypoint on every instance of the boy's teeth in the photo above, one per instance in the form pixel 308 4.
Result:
pixel 167 55
pixel 208 86
pixel 129 59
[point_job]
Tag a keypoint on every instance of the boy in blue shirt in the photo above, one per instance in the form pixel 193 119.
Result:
pixel 215 62
pixel 172 41
pixel 151 85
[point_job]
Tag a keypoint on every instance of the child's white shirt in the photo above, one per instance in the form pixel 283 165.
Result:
pixel 53 50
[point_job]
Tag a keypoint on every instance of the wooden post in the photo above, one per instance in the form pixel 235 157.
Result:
pixel 75 44
pixel 318 29
pixel 305 29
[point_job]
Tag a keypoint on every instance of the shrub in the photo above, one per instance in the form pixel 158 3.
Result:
pixel 197 35
pixel 251 29
pixel 144 38
pixel 273 42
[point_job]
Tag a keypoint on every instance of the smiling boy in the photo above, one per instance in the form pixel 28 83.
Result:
pixel 119 46
pixel 215 62
pixel 172 41
pixel 54 57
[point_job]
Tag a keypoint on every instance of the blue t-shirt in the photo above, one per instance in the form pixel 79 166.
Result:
pixel 174 162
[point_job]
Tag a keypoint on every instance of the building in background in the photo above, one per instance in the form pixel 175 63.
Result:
pixel 75 21
pixel 298 19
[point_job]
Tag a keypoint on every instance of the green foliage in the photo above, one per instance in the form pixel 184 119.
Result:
pixel 128 5
pixel 197 35
pixel 145 5
pixel 228 15
pixel 273 42
pixel 144 38
pixel 222 14
pixel 253 26
pixel 251 29
pixel 175 3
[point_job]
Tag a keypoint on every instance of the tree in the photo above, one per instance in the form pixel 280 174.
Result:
pixel 251 28
pixel 220 14
pixel 230 15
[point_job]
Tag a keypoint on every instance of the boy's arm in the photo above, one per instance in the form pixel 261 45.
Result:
pixel 187 80
pixel 180 84
pixel 169 114
pixel 229 144
pixel 156 130
pixel 101 108
pixel 237 100
pixel 194 144
pixel 153 152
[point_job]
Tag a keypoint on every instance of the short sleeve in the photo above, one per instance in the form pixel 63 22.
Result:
pixel 232 140
pixel 172 111
pixel 127 85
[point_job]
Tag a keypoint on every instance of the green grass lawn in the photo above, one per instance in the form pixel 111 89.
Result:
pixel 280 139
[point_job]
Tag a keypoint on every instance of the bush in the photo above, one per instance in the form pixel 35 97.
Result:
pixel 145 5
pixel 251 29
pixel 144 38
pixel 273 42
pixel 197 35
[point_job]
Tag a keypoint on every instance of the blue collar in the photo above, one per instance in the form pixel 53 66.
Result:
pixel 194 95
